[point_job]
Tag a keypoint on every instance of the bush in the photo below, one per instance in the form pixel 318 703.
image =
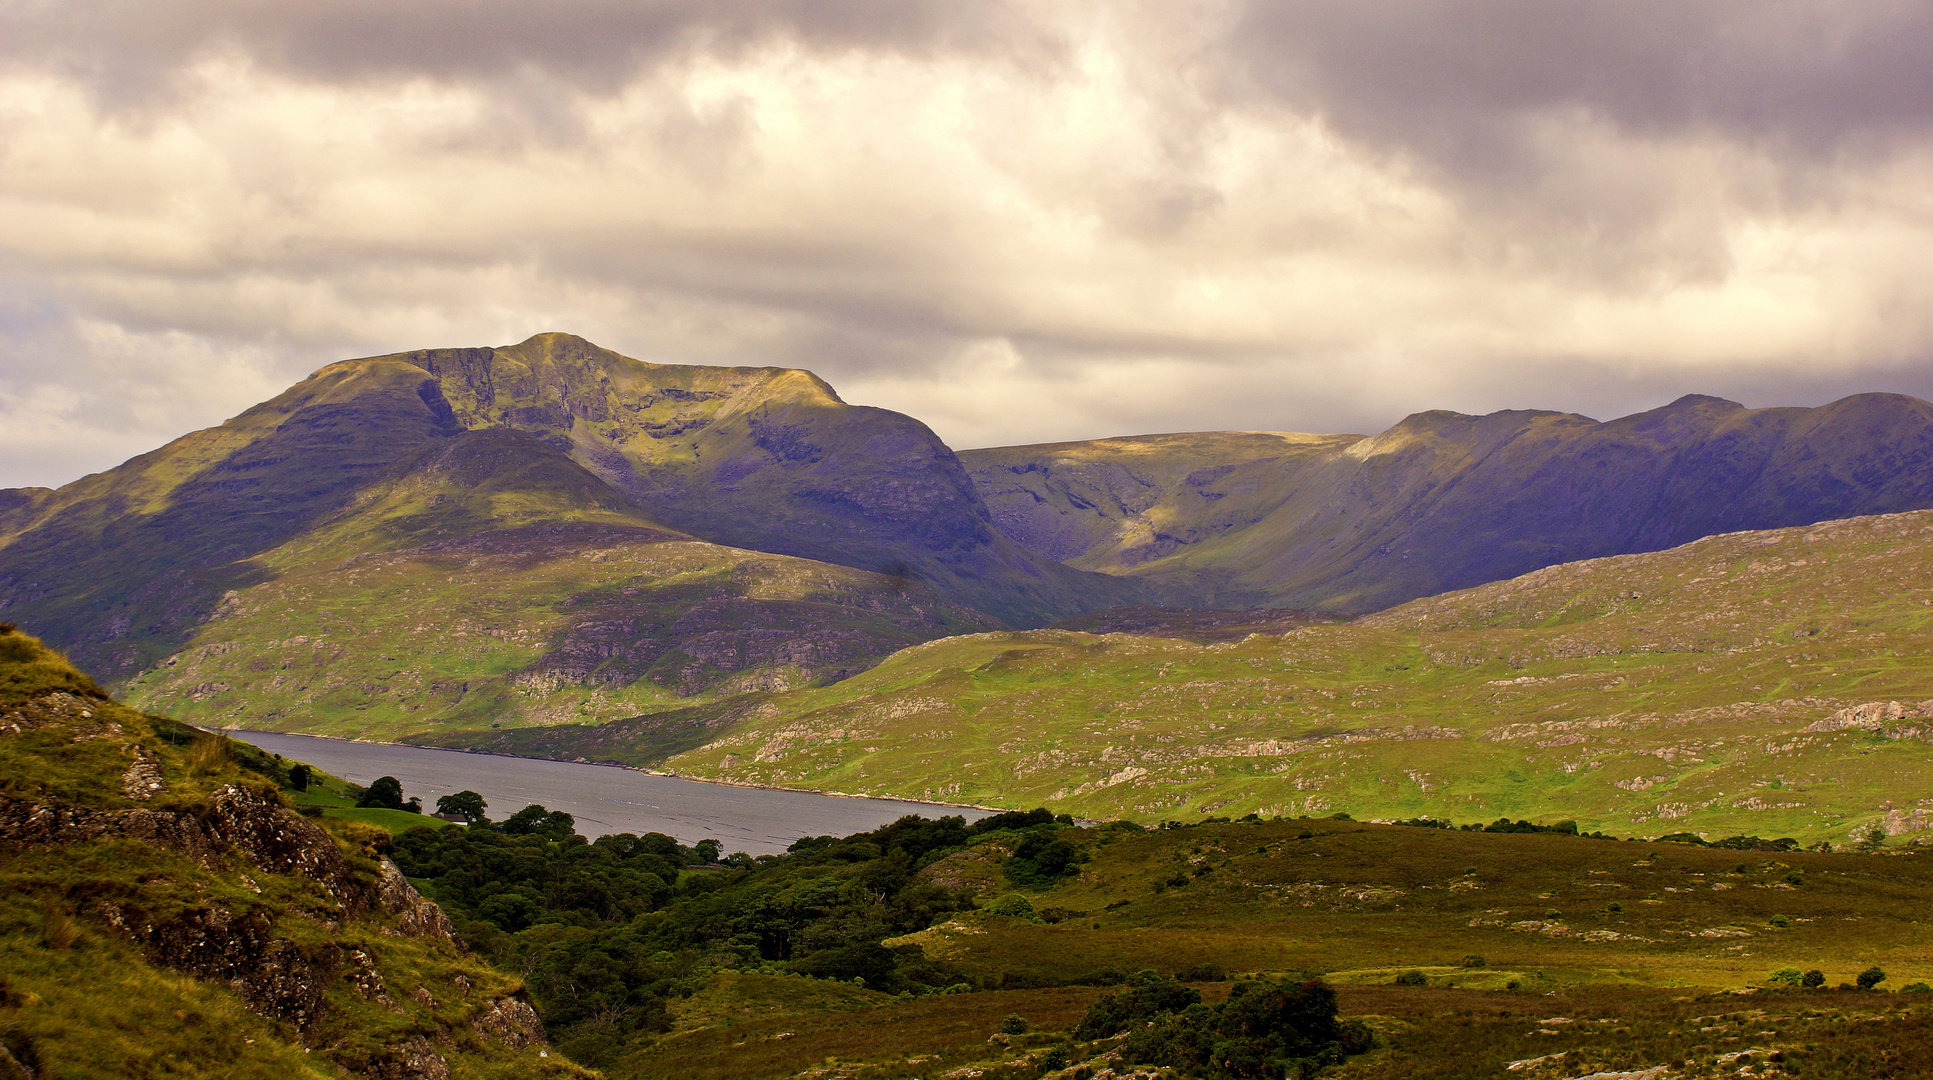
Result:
pixel 1145 995
pixel 1916 988
pixel 1780 921
pixel 1041 859
pixel 1264 1029
pixel 1870 978
pixel 1786 976
pixel 1475 961
pixel 1813 979
pixel 1013 906
pixel 1014 1024
pixel 1412 978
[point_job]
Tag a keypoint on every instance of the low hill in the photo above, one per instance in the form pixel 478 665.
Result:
pixel 1444 501
pixel 1773 683
pixel 163 912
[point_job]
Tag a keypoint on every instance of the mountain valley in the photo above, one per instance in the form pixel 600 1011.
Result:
pixel 554 550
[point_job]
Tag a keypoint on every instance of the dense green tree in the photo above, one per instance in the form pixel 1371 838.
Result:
pixel 467 805
pixel 299 777
pixel 534 820
pixel 383 793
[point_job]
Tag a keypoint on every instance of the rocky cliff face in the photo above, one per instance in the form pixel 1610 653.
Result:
pixel 202 871
pixel 1444 501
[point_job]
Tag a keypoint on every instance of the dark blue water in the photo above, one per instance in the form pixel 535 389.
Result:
pixel 603 798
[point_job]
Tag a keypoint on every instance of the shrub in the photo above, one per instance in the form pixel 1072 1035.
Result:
pixel 299 777
pixel 1412 978
pixel 1264 1029
pixel 1780 921
pixel 1786 976
pixel 1013 906
pixel 1916 988
pixel 1146 995
pixel 1813 979
pixel 1870 978
pixel 1041 859
pixel 1014 1024
pixel 1475 961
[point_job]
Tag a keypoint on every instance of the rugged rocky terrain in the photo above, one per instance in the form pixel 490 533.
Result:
pixel 163 911
pixel 1444 501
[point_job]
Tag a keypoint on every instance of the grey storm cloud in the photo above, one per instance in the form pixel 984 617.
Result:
pixel 1451 78
pixel 1023 220
pixel 130 49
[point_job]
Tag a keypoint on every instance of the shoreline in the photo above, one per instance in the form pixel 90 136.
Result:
pixel 231 732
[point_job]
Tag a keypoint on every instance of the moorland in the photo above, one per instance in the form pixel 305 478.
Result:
pixel 167 911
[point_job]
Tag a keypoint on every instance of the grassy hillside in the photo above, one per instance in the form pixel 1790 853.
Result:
pixel 534 626
pixel 163 914
pixel 1740 684
pixel 1444 501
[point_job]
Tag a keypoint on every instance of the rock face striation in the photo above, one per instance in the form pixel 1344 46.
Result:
pixel 201 870
pixel 1445 501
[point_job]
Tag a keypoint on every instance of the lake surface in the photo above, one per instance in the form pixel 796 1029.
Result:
pixel 604 798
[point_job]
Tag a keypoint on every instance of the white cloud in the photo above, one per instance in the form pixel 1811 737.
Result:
pixel 1085 233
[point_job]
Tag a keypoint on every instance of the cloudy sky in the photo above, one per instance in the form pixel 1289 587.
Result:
pixel 1018 221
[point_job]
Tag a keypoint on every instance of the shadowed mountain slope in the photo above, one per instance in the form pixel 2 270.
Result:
pixel 770 459
pixel 391 452
pixel 1444 501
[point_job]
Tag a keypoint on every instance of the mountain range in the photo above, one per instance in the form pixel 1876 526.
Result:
pixel 452 545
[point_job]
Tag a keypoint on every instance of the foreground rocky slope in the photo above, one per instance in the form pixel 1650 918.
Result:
pixel 1776 683
pixel 164 913
pixel 1444 501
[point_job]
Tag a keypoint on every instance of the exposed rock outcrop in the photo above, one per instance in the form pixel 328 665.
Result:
pixel 272 975
pixel 510 1021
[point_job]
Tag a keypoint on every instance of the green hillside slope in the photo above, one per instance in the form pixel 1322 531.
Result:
pixel 361 555
pixel 1774 683
pixel 162 913
pixel 1445 501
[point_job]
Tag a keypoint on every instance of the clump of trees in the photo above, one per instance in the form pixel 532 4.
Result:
pixel 611 930
pixel 386 793
pixel 1266 1027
